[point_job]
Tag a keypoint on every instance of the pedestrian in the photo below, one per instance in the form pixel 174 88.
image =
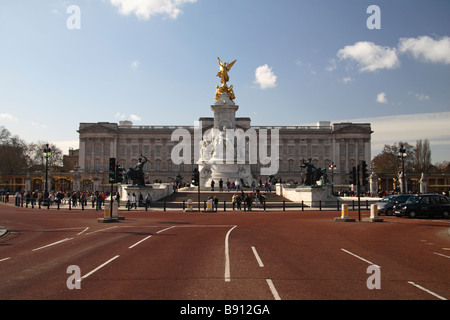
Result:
pixel 118 199
pixel 233 200
pixel 248 202
pixel 128 201
pixel 148 201
pixel 221 185
pixel 212 184
pixel 216 203
pixel 133 201
pixel 238 201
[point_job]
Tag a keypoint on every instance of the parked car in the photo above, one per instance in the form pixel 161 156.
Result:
pixel 427 205
pixel 386 205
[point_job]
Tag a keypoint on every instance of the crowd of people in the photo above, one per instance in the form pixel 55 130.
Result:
pixel 57 198
pixel 238 185
pixel 241 200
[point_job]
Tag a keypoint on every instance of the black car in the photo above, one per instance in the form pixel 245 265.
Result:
pixel 428 205
pixel 386 205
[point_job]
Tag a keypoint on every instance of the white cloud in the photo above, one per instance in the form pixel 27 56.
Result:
pixel 134 65
pixel 410 128
pixel 265 77
pixel 144 9
pixel 8 117
pixel 427 49
pixel 370 57
pixel 419 96
pixel 332 66
pixel 38 125
pixel 135 117
pixel 381 98
pixel 120 116
pixel 347 79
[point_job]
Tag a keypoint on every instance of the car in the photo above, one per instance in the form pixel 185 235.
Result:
pixel 428 205
pixel 386 205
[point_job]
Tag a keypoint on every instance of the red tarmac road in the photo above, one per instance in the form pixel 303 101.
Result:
pixel 221 256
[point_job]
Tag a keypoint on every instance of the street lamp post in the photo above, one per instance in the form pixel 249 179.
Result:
pixel 332 168
pixel 402 155
pixel 47 153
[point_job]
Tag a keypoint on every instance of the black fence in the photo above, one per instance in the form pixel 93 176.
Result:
pixel 221 206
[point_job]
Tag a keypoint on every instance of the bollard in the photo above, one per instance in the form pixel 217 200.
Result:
pixel 189 205
pixel 344 215
pixel 374 211
pixel 373 214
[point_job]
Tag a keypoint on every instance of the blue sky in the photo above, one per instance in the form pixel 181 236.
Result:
pixel 155 62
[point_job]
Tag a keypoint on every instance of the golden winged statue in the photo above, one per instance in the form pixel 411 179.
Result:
pixel 224 69
pixel 224 78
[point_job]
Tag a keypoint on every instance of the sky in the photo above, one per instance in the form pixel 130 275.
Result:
pixel 154 62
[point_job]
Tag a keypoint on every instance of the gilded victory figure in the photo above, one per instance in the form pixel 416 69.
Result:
pixel 224 78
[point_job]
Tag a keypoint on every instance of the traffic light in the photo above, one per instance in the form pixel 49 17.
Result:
pixel 195 177
pixel 353 176
pixel 112 170
pixel 119 174
pixel 364 174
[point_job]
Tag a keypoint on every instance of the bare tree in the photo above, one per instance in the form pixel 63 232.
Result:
pixel 12 153
pixel 422 156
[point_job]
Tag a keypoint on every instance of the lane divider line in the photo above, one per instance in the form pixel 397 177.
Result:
pixel 98 268
pixel 360 258
pixel 83 231
pixel 134 245
pixel 227 256
pixel 260 263
pixel 273 290
pixel 426 290
pixel 440 254
pixel 160 231
pixel 52 244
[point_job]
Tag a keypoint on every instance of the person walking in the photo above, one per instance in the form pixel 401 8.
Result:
pixel 133 201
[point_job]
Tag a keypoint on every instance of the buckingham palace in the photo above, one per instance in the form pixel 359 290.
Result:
pixel 336 147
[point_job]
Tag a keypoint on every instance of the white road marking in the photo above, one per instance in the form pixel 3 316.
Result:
pixel 83 231
pixel 4 259
pixel 101 230
pixel 426 290
pixel 165 229
pixel 134 245
pixel 52 244
pixel 269 281
pixel 360 258
pixel 260 263
pixel 227 256
pixel 273 290
pixel 98 268
pixel 440 254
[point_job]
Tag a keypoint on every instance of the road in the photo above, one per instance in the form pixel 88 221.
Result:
pixel 257 256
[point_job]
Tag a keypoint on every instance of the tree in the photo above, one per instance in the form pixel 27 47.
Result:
pixel 12 153
pixel 388 160
pixel 422 157
pixel 16 156
pixel 35 156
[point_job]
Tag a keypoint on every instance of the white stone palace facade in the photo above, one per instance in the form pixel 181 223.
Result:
pixel 343 144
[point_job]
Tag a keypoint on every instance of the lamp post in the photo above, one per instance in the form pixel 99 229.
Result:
pixel 47 153
pixel 332 167
pixel 402 155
